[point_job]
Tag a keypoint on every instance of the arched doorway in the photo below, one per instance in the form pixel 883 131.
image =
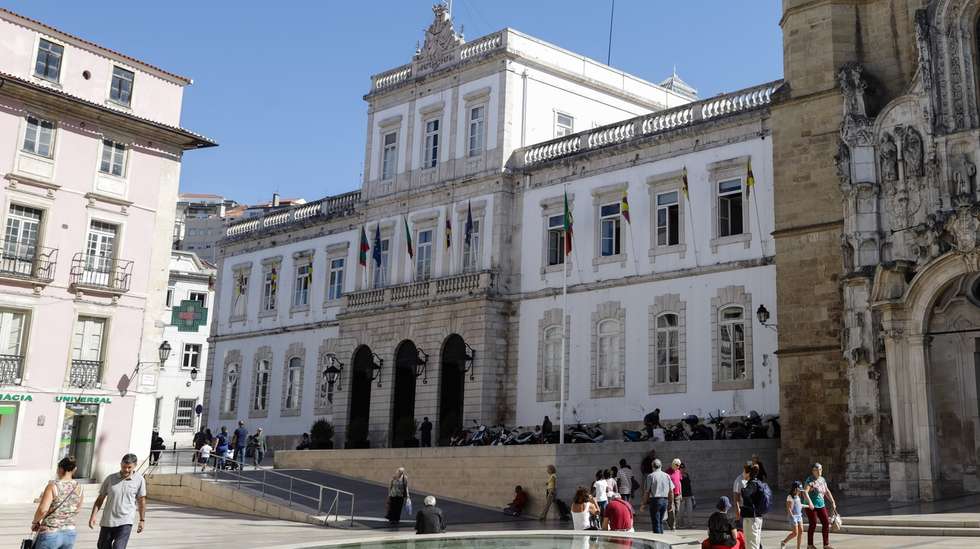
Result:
pixel 360 398
pixel 403 398
pixel 451 385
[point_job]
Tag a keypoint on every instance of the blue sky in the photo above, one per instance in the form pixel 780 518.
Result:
pixel 279 84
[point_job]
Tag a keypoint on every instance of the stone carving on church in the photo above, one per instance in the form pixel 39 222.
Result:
pixel 888 157
pixel 962 227
pixel 912 153
pixel 964 174
pixel 441 44
pixel 842 160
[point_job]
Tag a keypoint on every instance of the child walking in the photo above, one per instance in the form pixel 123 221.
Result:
pixel 794 506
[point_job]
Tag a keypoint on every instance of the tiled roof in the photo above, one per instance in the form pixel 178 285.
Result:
pixel 183 79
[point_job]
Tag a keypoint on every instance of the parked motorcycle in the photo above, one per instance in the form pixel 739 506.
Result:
pixel 718 426
pixel 585 433
pixel 634 436
pixel 675 432
pixel 698 430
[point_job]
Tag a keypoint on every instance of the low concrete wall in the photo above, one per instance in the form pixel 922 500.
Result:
pixel 486 475
pixel 196 492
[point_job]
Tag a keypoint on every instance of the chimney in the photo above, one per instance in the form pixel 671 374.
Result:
pixel 275 200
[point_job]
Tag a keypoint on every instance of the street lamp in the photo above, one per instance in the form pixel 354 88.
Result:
pixel 421 362
pixel 377 363
pixel 194 374
pixel 331 377
pixel 164 352
pixel 762 314
pixel 469 355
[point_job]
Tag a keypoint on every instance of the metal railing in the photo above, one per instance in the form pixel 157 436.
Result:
pixel 457 285
pixel 342 204
pixel 10 369
pixel 100 272
pixel 229 472
pixel 29 262
pixel 85 374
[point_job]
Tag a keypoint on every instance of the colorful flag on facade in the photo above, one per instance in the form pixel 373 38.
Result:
pixel 364 248
pixel 309 274
pixel 624 208
pixel 408 239
pixel 449 228
pixel 684 189
pixel 749 179
pixel 376 252
pixel 568 226
pixel 274 278
pixel 469 224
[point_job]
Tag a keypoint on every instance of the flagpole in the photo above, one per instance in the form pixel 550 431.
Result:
pixel 564 328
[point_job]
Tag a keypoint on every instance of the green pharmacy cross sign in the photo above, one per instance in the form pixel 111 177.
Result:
pixel 189 316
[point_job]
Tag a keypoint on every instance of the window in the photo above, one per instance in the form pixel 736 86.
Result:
pixel 241 293
pixel 477 123
pixel 200 297
pixel 423 255
pixel 113 158
pixel 12 345
pixel 552 359
pixel 294 382
pixel 609 229
pixel 731 325
pixel 8 428
pixel 608 355
pixel 270 287
pixel 564 124
pixel 230 404
pixel 301 286
pixel 471 251
pixel 170 297
pixel 121 89
pixel 48 64
pixel 730 207
pixel 668 357
pixel 86 352
pixel 192 356
pixel 100 253
pixel 381 269
pixel 262 376
pixel 556 240
pixel 668 210
pixel 389 155
pixel 431 152
pixel 39 137
pixel 20 246
pixel 184 414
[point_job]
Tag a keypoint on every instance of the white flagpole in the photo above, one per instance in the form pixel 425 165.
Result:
pixel 564 327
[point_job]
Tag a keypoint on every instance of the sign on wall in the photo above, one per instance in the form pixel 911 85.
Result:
pixel 189 316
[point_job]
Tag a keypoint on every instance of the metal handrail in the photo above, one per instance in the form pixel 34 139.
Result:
pixel 216 466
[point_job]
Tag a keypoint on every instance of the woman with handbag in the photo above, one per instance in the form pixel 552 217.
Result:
pixel 54 519
pixel 397 494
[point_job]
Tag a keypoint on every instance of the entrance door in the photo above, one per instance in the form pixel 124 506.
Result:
pixel 451 386
pixel 78 436
pixel 360 398
pixel 403 400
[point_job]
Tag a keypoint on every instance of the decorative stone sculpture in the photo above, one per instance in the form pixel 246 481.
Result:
pixel 441 42
pixel 843 162
pixel 912 153
pixel 888 157
pixel 964 176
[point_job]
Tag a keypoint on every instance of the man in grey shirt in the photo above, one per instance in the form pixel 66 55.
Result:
pixel 658 492
pixel 126 492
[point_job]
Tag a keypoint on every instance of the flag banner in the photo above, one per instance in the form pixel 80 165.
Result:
pixel 624 208
pixel 568 227
pixel 684 189
pixel 274 278
pixel 408 239
pixel 376 252
pixel 469 223
pixel 364 248
pixel 749 179
pixel 309 274
pixel 449 228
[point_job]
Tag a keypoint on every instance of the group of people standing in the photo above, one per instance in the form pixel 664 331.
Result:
pixel 230 450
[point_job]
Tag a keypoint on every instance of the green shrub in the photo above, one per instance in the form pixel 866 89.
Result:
pixel 321 435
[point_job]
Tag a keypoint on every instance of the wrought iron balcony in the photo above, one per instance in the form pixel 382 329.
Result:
pixel 10 369
pixel 27 262
pixel 100 273
pixel 85 374
pixel 454 286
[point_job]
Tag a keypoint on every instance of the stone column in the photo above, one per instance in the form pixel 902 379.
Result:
pixel 923 421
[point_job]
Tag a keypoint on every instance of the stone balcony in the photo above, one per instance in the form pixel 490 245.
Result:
pixel 470 284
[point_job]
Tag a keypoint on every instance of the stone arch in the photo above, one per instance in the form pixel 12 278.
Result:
pixel 949 34
pixel 359 407
pixel 402 427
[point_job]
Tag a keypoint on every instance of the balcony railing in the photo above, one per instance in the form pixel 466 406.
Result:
pixel 85 374
pixel 330 206
pixel 28 262
pixel 10 369
pixel 461 285
pixel 96 272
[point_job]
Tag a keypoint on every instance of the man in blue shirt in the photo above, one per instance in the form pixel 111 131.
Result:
pixel 240 440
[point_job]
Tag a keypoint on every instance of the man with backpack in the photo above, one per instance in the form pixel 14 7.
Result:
pixel 756 502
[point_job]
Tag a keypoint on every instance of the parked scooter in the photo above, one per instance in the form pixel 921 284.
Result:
pixel 585 433
pixel 634 436
pixel 717 425
pixel 675 432
pixel 480 435
pixel 698 430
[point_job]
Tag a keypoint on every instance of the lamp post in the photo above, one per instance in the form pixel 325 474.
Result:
pixel 377 363
pixel 331 377
pixel 469 355
pixel 762 314
pixel 163 352
pixel 421 363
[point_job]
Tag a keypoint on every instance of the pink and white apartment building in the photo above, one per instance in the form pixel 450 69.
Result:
pixel 90 152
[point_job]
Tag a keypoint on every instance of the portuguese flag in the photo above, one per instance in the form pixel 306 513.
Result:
pixel 363 249
pixel 568 226
pixel 749 179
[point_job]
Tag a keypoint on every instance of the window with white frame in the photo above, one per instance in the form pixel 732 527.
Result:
pixel 100 252
pixel 389 155
pixel 335 286
pixel 668 217
pixel 39 137
pixel 477 123
pixel 731 352
pixel 184 414
pixel 431 151
pixel 113 158
pixel 301 285
pixel 609 335
pixel 240 297
pixel 8 428
pixel 552 359
pixel 423 255
pixel 13 334
pixel 263 375
pixel 48 62
pixel 232 377
pixel 471 251
pixel 170 296
pixel 564 124
pixel 730 207
pixel 200 297
pixel 556 239
pixel 121 88
pixel 21 235
pixel 192 356
pixel 381 269
pixel 610 230
pixel 270 288
pixel 294 381
pixel 668 356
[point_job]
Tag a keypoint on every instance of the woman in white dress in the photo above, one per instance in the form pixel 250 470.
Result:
pixel 584 508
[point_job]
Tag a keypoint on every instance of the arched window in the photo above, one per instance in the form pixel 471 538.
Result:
pixel 731 326
pixel 231 389
pixel 262 376
pixel 668 357
pixel 552 358
pixel 294 381
pixel 609 335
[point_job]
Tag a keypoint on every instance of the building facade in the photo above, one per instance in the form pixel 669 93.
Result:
pixel 431 292
pixel 90 151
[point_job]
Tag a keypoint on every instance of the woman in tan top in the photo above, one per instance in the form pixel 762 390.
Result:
pixel 54 520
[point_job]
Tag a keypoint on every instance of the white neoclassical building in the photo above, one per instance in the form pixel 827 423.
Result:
pixel 434 291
